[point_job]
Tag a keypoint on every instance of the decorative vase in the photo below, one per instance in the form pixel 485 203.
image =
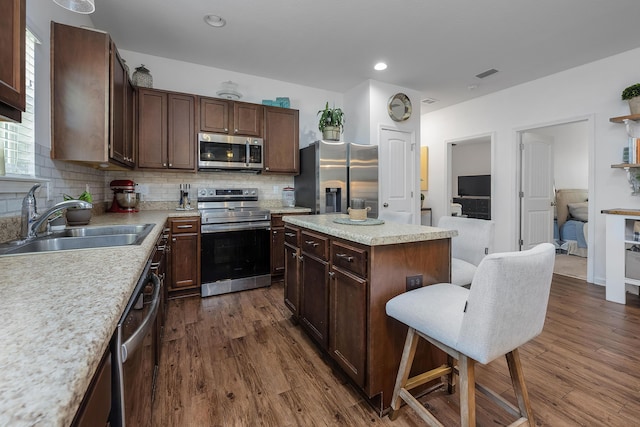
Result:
pixel 78 216
pixel 142 77
pixel 331 133
pixel 634 105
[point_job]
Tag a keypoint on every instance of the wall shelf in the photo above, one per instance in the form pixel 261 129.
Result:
pixel 621 119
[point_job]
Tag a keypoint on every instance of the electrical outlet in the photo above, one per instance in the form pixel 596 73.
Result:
pixel 414 282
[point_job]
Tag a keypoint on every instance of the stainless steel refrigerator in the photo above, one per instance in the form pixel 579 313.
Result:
pixel 334 172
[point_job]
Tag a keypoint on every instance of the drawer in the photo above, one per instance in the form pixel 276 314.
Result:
pixel 315 244
pixel 292 236
pixel 185 225
pixel 349 258
pixel 276 221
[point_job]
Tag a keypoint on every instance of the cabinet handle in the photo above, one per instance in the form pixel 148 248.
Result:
pixel 293 254
pixel 174 239
pixel 332 275
pixel 185 226
pixel 345 257
pixel 226 129
pixel 312 243
pixel 290 234
pixel 267 168
pixel 235 131
pixel 170 165
pixel 301 258
pixel 164 165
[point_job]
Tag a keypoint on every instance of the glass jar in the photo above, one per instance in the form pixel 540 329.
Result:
pixel 142 77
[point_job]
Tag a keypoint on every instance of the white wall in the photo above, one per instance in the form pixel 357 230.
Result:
pixel 570 153
pixel 469 159
pixel 590 91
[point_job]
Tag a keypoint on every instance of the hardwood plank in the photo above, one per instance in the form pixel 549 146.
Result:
pixel 239 360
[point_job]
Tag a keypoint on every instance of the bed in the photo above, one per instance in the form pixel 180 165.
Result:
pixel 571 219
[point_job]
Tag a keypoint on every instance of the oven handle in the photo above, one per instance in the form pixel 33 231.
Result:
pixel 130 345
pixel 219 228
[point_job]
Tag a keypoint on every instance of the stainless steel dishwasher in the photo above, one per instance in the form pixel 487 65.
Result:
pixel 134 355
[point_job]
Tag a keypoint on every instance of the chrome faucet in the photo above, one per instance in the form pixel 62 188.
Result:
pixel 37 222
pixel 29 211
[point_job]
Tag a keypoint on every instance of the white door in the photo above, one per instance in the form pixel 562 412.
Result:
pixel 396 159
pixel 536 190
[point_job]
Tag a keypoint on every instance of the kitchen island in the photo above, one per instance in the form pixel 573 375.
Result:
pixel 338 279
pixel 59 311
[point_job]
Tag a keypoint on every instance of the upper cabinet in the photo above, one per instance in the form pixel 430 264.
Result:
pixel 281 140
pixel 166 130
pixel 230 117
pixel 12 57
pixel 92 100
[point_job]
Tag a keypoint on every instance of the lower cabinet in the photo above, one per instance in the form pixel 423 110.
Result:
pixel 96 405
pixel 348 322
pixel 343 286
pixel 184 254
pixel 277 243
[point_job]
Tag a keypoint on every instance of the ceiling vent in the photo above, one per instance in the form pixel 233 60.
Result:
pixel 429 100
pixel 486 73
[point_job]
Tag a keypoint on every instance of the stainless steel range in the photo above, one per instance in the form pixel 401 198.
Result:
pixel 235 240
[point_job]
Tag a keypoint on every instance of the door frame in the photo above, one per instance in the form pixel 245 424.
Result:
pixel 468 140
pixel 517 137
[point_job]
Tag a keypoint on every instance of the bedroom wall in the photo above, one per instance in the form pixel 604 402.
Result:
pixel 571 153
pixel 592 92
pixel 469 159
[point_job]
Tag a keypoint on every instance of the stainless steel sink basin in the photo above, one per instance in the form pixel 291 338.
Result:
pixel 81 238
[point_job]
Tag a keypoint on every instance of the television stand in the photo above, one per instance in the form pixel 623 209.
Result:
pixel 475 206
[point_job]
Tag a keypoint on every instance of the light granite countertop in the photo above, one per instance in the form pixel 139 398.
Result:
pixel 59 311
pixel 388 233
pixel 287 210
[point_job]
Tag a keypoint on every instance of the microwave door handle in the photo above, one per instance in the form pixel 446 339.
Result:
pixel 130 345
pixel 248 153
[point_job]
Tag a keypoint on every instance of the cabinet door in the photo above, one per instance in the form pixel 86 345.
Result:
pixel 247 119
pixel 152 129
pixel 12 57
pixel 347 323
pixel 281 140
pixel 121 123
pixel 181 131
pixel 80 63
pixel 277 250
pixel 314 306
pixel 292 279
pixel 214 115
pixel 184 254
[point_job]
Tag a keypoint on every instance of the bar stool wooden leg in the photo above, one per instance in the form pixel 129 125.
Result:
pixel 451 377
pixel 519 386
pixel 406 361
pixel 466 367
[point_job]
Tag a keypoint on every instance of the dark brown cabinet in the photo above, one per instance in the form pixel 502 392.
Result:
pixel 184 255
pixel 348 309
pixel 281 140
pixel 230 117
pixel 96 405
pixel 166 130
pixel 91 99
pixel 278 237
pixel 12 58
pixel 314 296
pixel 292 261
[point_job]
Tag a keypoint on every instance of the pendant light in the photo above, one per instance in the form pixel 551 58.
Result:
pixel 79 6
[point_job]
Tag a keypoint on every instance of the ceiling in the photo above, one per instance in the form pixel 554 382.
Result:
pixel 434 47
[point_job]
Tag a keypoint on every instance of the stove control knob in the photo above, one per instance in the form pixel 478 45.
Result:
pixel 202 192
pixel 253 192
pixel 212 192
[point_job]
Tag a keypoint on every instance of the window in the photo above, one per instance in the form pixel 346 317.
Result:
pixel 18 139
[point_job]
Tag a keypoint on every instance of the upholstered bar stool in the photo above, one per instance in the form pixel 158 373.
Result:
pixel 469 247
pixel 504 308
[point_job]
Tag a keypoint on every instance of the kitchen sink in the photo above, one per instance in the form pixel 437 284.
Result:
pixel 80 238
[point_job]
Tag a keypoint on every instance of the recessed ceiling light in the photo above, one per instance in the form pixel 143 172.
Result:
pixel 215 20
pixel 380 66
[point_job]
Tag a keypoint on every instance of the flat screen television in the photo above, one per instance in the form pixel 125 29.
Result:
pixel 474 185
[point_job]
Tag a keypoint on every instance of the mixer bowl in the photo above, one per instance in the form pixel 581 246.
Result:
pixel 128 200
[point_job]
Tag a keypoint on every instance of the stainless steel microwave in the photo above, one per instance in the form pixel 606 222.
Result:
pixel 239 153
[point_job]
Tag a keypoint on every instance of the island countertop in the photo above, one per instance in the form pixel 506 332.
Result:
pixel 59 311
pixel 388 233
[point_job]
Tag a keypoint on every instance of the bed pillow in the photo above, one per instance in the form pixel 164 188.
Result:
pixel 579 211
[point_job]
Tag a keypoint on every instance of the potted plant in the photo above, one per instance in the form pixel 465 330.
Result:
pixel 632 95
pixel 78 216
pixel 331 122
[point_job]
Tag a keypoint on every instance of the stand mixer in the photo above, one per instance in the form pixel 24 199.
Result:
pixel 125 198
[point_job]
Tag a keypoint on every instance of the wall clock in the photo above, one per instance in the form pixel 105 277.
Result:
pixel 399 107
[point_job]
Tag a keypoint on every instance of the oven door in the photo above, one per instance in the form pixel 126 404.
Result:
pixel 235 259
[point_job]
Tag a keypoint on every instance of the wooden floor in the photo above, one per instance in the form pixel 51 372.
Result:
pixel 238 360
